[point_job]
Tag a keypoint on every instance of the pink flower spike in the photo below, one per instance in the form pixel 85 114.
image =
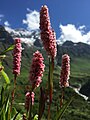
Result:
pixel 27 101
pixel 44 18
pixel 37 69
pixel 65 71
pixel 17 57
pixel 48 36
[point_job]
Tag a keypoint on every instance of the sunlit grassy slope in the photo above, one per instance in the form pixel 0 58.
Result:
pixel 80 74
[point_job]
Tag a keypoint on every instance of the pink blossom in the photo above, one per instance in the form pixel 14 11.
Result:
pixel 37 69
pixel 48 36
pixel 17 57
pixel 27 101
pixel 44 18
pixel 65 71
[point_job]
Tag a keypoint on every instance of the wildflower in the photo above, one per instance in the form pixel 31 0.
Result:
pixel 27 101
pixel 48 36
pixel 17 57
pixel 37 69
pixel 44 18
pixel 65 71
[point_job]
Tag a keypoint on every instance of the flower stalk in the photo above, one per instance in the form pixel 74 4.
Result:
pixel 31 102
pixel 16 64
pixel 64 77
pixel 48 38
pixel 50 84
pixel 36 74
pixel 42 101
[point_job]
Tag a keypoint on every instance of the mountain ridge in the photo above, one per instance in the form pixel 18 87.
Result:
pixel 32 38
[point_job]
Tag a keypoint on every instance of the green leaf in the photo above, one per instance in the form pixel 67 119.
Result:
pixel 60 113
pixel 2 97
pixel 7 108
pixel 3 116
pixel 5 77
pixel 7 50
pixel 36 117
pixel 13 113
pixel 7 104
pixel 17 116
pixel 8 114
pixel 4 106
pixel 1 103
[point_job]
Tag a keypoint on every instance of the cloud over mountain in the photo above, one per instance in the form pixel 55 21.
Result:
pixel 32 20
pixel 70 32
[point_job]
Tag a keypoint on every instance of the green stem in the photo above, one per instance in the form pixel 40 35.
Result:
pixel 50 84
pixel 62 97
pixel 30 108
pixel 13 92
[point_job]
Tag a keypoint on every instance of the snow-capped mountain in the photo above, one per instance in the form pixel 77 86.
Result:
pixel 28 37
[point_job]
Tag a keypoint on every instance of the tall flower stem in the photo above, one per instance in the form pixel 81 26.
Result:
pixel 62 97
pixel 30 108
pixel 50 84
pixel 13 92
pixel 15 76
pixel 42 101
pixel 29 102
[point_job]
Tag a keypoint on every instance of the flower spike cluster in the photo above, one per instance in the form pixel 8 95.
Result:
pixel 48 36
pixel 37 69
pixel 27 101
pixel 65 71
pixel 17 57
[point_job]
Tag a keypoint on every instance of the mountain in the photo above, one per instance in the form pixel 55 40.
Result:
pixel 32 38
pixel 28 37
pixel 5 36
pixel 75 50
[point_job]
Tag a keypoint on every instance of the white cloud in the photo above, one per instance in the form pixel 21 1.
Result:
pixel 6 23
pixel 70 32
pixel 82 27
pixel 32 20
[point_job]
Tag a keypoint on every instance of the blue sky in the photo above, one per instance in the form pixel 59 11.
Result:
pixel 62 12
